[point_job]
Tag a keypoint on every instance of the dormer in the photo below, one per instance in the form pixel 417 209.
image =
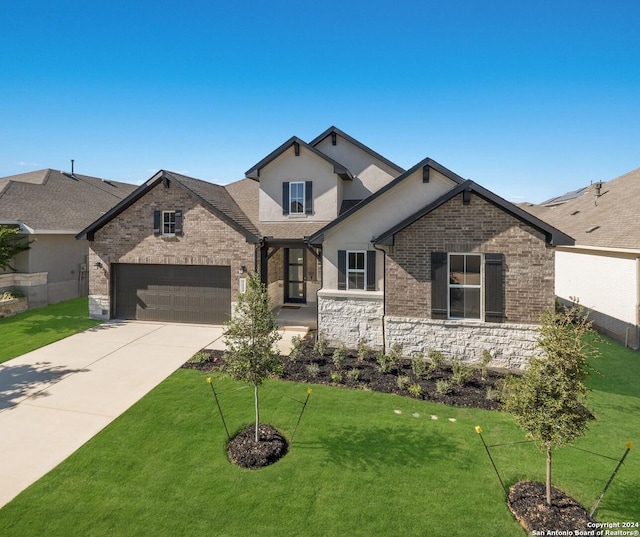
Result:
pixel 298 181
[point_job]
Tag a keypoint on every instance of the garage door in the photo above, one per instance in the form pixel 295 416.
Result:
pixel 172 293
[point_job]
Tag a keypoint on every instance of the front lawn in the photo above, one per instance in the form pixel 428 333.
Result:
pixel 362 463
pixel 36 328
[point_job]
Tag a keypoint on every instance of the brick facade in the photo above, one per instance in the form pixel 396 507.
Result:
pixel 479 227
pixel 129 238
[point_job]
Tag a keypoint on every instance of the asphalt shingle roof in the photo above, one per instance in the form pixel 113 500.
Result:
pixel 613 217
pixel 49 200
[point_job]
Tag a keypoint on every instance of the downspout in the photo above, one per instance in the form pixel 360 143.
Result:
pixel 384 293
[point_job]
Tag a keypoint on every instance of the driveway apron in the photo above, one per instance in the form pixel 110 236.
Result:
pixel 54 399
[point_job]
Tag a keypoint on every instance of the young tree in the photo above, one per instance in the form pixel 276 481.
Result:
pixel 548 400
pixel 11 244
pixel 250 338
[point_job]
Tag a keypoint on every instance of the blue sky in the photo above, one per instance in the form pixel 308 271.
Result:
pixel 529 99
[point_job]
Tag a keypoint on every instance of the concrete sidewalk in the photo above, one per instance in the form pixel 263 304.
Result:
pixel 56 398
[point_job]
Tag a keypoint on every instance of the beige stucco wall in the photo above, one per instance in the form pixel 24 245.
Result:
pixel 356 232
pixel 306 167
pixel 370 173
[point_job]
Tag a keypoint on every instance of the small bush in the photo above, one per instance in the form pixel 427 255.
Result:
pixel 313 370
pixel 403 381
pixel 336 377
pixel 395 352
pixel 385 362
pixel 297 346
pixel 199 357
pixel 443 387
pixel 483 363
pixel 364 351
pixel 354 374
pixel 493 394
pixel 321 346
pixel 461 373
pixel 339 356
pixel 419 366
pixel 436 358
pixel 415 389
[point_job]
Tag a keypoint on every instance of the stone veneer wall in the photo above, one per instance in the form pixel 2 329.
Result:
pixel 478 227
pixel 510 345
pixel 129 238
pixel 347 317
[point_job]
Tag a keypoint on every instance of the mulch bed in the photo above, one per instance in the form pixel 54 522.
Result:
pixel 244 451
pixel 527 499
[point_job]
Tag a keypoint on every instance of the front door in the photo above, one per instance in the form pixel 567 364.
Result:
pixel 294 270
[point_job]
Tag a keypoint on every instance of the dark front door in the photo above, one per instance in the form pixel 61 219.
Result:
pixel 294 270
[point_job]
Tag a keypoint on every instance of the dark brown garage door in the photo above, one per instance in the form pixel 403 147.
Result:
pixel 172 293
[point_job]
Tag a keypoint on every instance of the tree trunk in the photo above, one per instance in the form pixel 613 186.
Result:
pixel 257 414
pixel 549 474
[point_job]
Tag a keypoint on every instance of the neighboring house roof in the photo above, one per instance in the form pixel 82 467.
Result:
pixel 50 201
pixel 214 197
pixel 339 169
pixel 246 194
pixel 611 219
pixel 552 235
pixel 331 130
pixel 318 237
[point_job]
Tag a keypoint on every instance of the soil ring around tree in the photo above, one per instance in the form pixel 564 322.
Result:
pixel 528 503
pixel 244 451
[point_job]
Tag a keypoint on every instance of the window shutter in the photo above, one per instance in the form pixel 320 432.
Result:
pixel 285 197
pixel 493 288
pixel 308 197
pixel 178 222
pixel 371 270
pixel 156 222
pixel 439 285
pixel 342 269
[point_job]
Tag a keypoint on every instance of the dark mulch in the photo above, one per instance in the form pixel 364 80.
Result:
pixel 527 501
pixel 365 374
pixel 244 451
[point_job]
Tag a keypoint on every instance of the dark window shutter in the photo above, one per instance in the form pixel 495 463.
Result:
pixel 493 288
pixel 156 222
pixel 371 270
pixel 308 197
pixel 285 197
pixel 439 285
pixel 342 269
pixel 178 222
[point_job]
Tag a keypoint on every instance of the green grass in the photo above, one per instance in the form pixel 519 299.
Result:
pixel 38 327
pixel 356 466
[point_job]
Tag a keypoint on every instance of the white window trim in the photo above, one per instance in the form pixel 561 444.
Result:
pixel 162 223
pixel 362 271
pixel 304 194
pixel 468 286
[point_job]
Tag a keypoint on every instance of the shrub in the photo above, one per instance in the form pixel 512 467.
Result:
pixel 384 362
pixel 443 387
pixel 339 356
pixel 297 346
pixel 461 373
pixel 415 389
pixel 436 358
pixel 313 370
pixel 354 374
pixel 419 366
pixel 364 351
pixel 336 377
pixel 395 352
pixel 483 363
pixel 403 381
pixel 199 357
pixel 321 346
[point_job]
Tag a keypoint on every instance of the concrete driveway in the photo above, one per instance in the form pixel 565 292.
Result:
pixel 54 399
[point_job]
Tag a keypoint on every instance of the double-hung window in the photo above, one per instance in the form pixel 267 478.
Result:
pixel 356 270
pixel 168 222
pixel 296 198
pixel 465 286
